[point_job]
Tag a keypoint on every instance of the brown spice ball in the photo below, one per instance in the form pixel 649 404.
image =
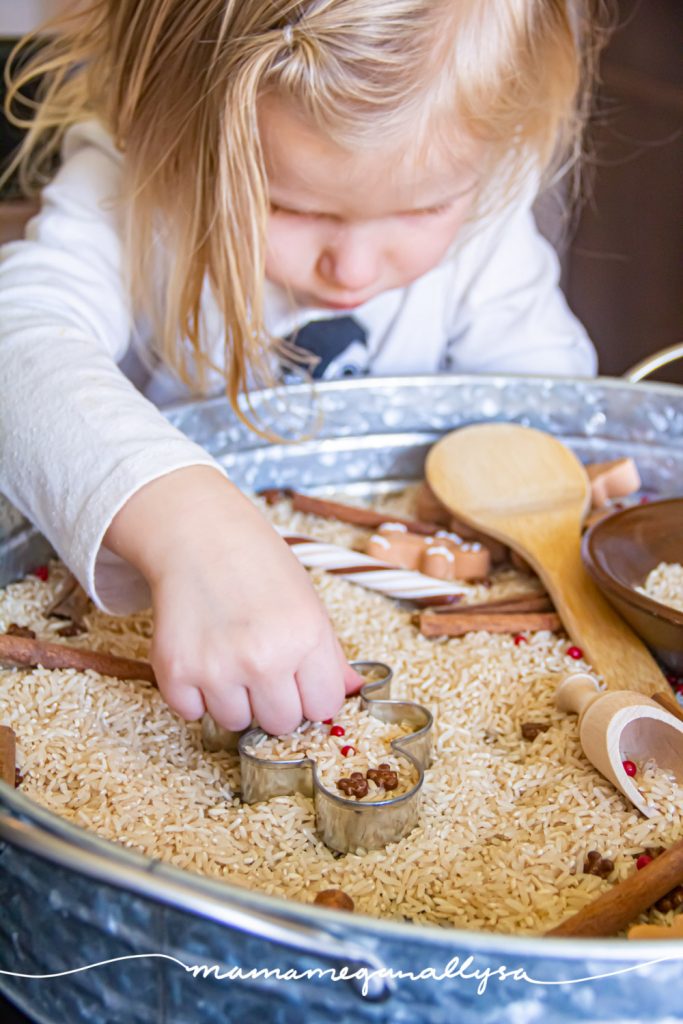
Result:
pixel 530 730
pixel 14 630
pixel 596 864
pixel 672 900
pixel 336 899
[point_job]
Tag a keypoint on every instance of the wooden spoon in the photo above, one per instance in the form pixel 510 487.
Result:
pixel 525 488
pixel 528 490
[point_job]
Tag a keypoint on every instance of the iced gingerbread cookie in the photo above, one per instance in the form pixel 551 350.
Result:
pixel 615 479
pixel 445 555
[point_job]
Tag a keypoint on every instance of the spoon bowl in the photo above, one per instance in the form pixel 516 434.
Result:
pixel 526 489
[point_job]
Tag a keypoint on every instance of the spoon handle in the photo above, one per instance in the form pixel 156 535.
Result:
pixel 616 909
pixel 553 546
pixel 666 700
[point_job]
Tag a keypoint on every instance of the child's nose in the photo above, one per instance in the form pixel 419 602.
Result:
pixel 349 260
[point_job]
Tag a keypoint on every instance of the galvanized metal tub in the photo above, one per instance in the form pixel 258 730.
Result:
pixel 70 899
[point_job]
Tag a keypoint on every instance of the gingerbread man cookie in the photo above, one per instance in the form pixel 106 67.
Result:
pixel 614 479
pixel 445 555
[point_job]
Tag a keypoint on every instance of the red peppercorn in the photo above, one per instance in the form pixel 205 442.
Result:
pixel 348 751
pixel 328 721
pixel 643 861
pixel 630 768
pixel 337 730
pixel 575 652
pixel 42 572
pixel 645 500
pixel 519 639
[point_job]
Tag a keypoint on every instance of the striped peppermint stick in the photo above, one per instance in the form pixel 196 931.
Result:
pixel 403 584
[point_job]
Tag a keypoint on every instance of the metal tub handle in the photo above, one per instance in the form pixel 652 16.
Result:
pixel 159 884
pixel 654 362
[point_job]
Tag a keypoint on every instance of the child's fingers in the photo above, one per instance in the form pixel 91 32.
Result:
pixel 320 678
pixel 352 679
pixel 230 707
pixel 187 701
pixel 277 707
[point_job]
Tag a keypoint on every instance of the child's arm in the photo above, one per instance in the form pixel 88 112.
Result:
pixel 239 630
pixel 78 443
pixel 509 314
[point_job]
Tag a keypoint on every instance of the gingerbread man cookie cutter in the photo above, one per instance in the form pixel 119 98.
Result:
pixel 343 823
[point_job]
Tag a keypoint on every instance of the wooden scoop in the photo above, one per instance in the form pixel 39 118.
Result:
pixel 527 489
pixel 619 725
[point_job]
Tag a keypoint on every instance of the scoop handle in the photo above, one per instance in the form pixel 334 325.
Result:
pixel 577 692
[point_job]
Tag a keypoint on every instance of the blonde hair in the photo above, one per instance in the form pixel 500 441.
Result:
pixel 177 83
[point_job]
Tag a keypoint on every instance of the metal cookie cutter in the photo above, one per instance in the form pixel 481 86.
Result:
pixel 344 823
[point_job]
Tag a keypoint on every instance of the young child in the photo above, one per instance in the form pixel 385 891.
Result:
pixel 246 184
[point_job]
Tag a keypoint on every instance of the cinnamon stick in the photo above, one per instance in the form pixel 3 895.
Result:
pixel 457 623
pixel 8 755
pixel 442 602
pixel 614 910
pixel 532 601
pixel 349 513
pixel 71 602
pixel 20 651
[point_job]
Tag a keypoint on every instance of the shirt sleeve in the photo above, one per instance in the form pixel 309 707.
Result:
pixel 77 439
pixel 509 313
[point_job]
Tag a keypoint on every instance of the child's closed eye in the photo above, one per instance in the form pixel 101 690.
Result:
pixel 288 211
pixel 430 211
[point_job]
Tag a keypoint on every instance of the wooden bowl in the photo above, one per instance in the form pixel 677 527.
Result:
pixel 620 551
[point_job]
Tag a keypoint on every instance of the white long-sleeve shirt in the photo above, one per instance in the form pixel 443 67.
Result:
pixel 78 437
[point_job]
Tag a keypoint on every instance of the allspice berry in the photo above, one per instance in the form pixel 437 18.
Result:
pixel 336 899
pixel 530 730
pixel 22 631
pixel 596 864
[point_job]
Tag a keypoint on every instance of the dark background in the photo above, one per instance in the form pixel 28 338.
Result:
pixel 10 1015
pixel 625 266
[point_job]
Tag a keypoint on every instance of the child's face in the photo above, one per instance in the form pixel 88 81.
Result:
pixel 345 227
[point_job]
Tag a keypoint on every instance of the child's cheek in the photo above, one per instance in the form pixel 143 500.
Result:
pixel 279 239
pixel 292 250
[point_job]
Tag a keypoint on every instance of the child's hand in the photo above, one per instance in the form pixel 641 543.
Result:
pixel 239 630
